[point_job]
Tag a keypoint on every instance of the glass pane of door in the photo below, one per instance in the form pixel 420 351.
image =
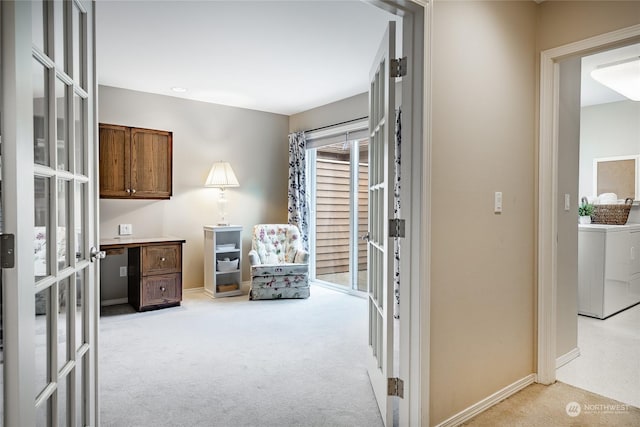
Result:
pixel 41 232
pixel 338 176
pixel 362 205
pixel 333 213
pixel 40 114
pixel 42 342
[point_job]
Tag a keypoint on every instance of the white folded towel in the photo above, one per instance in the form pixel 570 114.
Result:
pixel 608 199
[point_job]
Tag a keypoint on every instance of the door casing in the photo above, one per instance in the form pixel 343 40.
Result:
pixel 548 188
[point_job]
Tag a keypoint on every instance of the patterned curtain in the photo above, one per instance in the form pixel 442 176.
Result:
pixel 298 210
pixel 396 213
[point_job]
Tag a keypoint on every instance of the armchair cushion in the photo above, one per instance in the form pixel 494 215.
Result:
pixel 276 243
pixel 279 264
pixel 279 270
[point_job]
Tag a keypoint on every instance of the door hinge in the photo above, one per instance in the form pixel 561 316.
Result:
pixel 395 387
pixel 398 67
pixel 7 251
pixel 396 227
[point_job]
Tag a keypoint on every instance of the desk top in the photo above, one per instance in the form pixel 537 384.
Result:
pixel 126 242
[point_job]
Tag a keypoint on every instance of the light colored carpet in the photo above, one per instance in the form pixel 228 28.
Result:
pixel 234 362
pixel 546 406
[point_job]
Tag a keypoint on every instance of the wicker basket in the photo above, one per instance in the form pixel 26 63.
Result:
pixel 611 214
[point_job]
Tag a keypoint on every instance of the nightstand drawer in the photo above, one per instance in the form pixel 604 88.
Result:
pixel 161 289
pixel 161 259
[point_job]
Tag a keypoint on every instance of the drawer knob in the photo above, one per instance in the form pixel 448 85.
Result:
pixel 163 259
pixel 162 288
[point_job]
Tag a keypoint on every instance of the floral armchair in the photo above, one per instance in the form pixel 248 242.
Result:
pixel 279 264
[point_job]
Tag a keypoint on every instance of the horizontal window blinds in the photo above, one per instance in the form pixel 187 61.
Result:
pixel 337 134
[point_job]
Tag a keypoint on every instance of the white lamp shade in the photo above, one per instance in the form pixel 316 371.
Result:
pixel 622 76
pixel 221 176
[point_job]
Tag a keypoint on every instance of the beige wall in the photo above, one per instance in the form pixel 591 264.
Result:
pixel 255 143
pixel 485 100
pixel 563 22
pixel 351 108
pixel 482 280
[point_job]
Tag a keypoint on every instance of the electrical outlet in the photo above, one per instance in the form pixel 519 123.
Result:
pixel 125 229
pixel 123 271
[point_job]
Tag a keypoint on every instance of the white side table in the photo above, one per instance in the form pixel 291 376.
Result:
pixel 221 243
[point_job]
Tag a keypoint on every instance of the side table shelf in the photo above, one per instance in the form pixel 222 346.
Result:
pixel 222 243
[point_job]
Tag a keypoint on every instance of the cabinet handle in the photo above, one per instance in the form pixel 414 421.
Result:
pixel 162 288
pixel 128 191
pixel 133 191
pixel 163 259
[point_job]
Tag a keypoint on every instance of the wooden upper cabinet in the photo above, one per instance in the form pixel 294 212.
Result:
pixel 135 163
pixel 115 153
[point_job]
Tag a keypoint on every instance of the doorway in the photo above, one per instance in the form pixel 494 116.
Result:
pixel 337 168
pixel 593 350
pixel 550 193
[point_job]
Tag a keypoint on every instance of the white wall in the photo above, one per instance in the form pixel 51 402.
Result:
pixel 568 148
pixel 254 142
pixel 607 130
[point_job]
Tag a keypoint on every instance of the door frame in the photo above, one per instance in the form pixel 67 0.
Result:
pixel 548 188
pixel 415 196
pixel 356 125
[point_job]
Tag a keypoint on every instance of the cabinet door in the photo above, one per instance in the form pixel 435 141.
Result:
pixel 114 160
pixel 635 252
pixel 161 289
pixel 161 259
pixel 151 165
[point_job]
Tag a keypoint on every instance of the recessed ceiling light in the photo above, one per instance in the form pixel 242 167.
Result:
pixel 178 89
pixel 621 76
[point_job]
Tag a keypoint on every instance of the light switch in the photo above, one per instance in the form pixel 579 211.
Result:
pixel 497 202
pixel 567 202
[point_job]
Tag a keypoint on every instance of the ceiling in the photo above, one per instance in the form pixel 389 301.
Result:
pixel 277 56
pixel 593 92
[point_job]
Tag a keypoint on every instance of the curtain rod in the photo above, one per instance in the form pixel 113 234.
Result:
pixel 336 124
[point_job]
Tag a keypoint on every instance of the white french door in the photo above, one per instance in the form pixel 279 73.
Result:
pixel 49 203
pixel 380 245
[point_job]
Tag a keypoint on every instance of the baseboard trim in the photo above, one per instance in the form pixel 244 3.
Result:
pixel 115 301
pixel 244 287
pixel 488 402
pixel 192 290
pixel 568 357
